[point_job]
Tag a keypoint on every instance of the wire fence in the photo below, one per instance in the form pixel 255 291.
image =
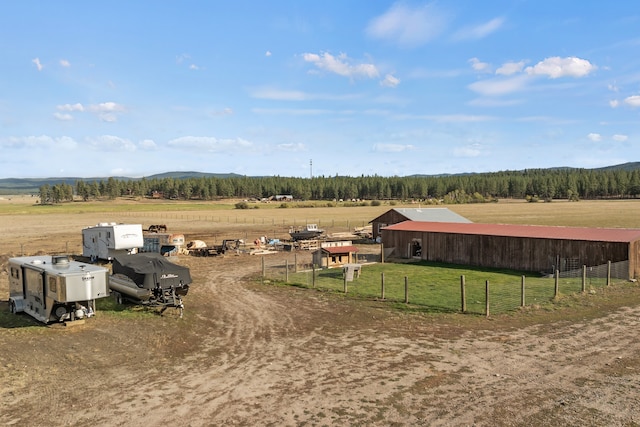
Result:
pixel 445 290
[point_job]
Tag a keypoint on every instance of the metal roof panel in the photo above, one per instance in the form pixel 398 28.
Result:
pixel 528 231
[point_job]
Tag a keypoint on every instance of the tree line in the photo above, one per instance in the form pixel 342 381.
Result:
pixel 533 184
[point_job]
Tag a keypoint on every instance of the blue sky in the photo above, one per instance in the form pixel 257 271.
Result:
pixel 361 87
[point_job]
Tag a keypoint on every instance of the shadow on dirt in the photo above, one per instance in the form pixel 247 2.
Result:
pixel 9 320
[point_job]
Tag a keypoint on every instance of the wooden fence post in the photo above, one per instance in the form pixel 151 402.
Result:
pixel 463 294
pixel 313 278
pixel 608 273
pixel 556 291
pixel 295 263
pixel 344 279
pixel 286 271
pixel 486 297
pixel 584 278
pixel 406 290
pixel 382 285
pixel 381 253
pixel 263 270
pixel 522 297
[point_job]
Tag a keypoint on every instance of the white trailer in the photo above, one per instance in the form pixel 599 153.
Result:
pixel 108 239
pixel 55 288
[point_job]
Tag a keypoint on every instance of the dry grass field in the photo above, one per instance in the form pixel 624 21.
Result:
pixel 252 354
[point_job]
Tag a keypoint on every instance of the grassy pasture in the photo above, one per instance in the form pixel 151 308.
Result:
pixel 598 213
pixel 435 287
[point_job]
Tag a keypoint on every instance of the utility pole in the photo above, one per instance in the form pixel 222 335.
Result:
pixel 311 168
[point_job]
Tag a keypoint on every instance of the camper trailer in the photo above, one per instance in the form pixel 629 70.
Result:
pixel 149 279
pixel 55 288
pixel 106 240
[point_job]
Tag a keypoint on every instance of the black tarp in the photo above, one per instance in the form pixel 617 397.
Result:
pixel 149 269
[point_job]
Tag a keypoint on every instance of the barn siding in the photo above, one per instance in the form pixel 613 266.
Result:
pixel 387 218
pixel 517 253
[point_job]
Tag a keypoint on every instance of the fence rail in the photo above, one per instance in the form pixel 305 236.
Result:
pixel 456 293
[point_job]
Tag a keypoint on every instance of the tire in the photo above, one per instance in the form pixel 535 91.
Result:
pixel 59 311
pixel 12 307
pixel 118 297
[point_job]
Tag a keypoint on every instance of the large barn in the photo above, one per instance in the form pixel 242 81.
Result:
pixel 396 215
pixel 517 247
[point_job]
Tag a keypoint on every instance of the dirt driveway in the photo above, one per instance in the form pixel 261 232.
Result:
pixel 253 354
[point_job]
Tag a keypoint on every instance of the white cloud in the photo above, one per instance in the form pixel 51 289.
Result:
pixel 500 86
pixel 468 151
pixel 210 144
pixel 112 143
pixel 224 112
pixel 595 137
pixel 509 68
pixel 148 144
pixel 555 67
pixel 393 148
pixel 107 111
pixel 194 67
pixel 614 103
pixel 39 142
pixel 293 147
pixel 408 26
pixel 479 66
pixel 293 95
pixel 267 53
pixel 620 138
pixel 63 117
pixel 182 57
pixel 633 101
pixel 390 81
pixel 36 61
pixel 64 63
pixel 106 107
pixel 341 65
pixel 479 31
pixel 70 107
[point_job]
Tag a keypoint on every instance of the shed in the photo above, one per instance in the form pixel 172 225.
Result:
pixel 396 215
pixel 516 247
pixel 335 256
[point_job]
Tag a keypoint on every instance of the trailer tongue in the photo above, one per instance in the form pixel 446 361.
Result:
pixel 149 279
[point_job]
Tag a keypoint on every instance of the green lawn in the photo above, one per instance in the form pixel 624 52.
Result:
pixel 435 287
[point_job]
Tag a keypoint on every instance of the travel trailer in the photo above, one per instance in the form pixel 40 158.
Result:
pixel 106 240
pixel 55 288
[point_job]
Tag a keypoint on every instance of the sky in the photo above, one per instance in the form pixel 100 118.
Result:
pixel 309 88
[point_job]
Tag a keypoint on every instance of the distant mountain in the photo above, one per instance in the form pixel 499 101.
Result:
pixel 184 175
pixel 629 166
pixel 32 185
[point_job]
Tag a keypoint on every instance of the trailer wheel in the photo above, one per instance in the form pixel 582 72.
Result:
pixel 118 297
pixel 59 311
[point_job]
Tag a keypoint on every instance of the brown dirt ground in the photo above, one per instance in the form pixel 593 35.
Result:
pixel 252 354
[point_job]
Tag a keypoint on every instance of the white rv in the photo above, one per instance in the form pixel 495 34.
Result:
pixel 108 239
pixel 55 288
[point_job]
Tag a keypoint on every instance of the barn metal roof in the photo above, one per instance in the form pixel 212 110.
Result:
pixel 529 231
pixel 428 214
pixel 340 249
